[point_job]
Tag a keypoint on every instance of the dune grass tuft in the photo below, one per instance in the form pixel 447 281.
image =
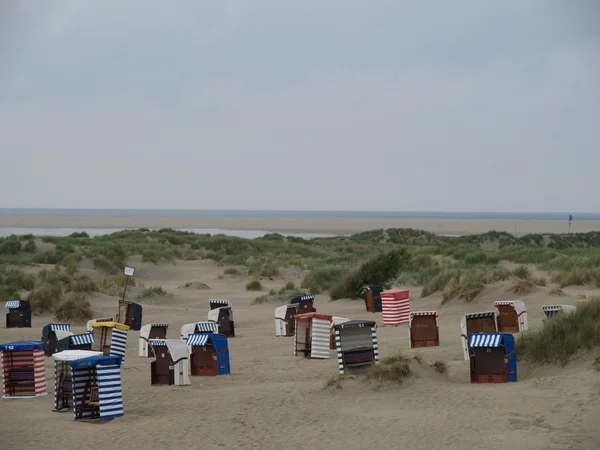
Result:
pixel 440 366
pixel 521 286
pixel 285 294
pixel 392 368
pixel 152 291
pixel 522 272
pixel 75 308
pixel 335 382
pixel 380 270
pixel 556 292
pixel 254 285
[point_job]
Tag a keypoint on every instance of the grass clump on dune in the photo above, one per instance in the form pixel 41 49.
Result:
pixel 285 294
pixel 391 368
pixel 521 287
pixel 463 283
pixel 76 307
pixel 381 270
pixel 152 291
pixel 254 285
pixel 563 336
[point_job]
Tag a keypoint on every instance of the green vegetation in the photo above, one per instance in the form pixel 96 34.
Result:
pixel 152 291
pixel 381 270
pixel 254 285
pixel 75 308
pixel 458 268
pixel 282 296
pixel 563 336
pixel 440 366
pixel 392 368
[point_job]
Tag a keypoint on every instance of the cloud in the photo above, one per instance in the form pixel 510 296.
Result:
pixel 289 105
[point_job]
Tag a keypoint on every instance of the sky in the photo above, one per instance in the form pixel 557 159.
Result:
pixel 379 105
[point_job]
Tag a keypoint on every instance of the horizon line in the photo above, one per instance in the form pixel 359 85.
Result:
pixel 298 210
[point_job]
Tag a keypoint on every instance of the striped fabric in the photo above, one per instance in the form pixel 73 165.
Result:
pixel 197 339
pixel 485 340
pixel 206 327
pixel 480 315
pixel 552 308
pixel 118 343
pixel 302 298
pixel 110 393
pixel 219 302
pixel 338 346
pixel 158 342
pixel 60 327
pixel 79 378
pixel 503 303
pixel 375 344
pixel 20 363
pixel 56 363
pixel 320 338
pixel 395 312
pixel 82 339
pixel 160 325
pixel 12 304
pixel 424 313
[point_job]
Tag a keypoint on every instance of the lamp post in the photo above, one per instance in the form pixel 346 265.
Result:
pixel 128 271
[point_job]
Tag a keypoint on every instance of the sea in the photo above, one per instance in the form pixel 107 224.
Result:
pixel 251 234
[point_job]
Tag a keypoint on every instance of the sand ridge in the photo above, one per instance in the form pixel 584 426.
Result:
pixel 273 400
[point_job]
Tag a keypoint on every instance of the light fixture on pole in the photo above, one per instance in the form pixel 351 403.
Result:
pixel 128 271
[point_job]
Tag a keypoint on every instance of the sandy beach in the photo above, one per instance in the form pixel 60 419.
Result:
pixel 307 225
pixel 273 400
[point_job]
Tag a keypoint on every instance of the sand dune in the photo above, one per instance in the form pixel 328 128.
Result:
pixel 273 400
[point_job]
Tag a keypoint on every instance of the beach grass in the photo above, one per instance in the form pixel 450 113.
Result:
pixel 457 267
pixel 563 336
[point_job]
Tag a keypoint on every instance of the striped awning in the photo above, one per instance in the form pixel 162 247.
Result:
pixel 159 325
pixel 158 342
pixel 60 327
pixel 480 315
pixel 424 313
pixel 82 339
pixel 197 339
pixel 206 327
pixel 11 304
pixel 485 340
pixel 302 298
pixel 219 302
pixel 552 308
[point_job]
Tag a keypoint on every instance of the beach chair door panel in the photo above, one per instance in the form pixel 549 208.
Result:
pixel 204 361
pixel 508 320
pixel 290 322
pixel 223 321
pixel 14 319
pixel 483 325
pixel 424 331
pixel 489 360
pixel 163 362
pixel 305 306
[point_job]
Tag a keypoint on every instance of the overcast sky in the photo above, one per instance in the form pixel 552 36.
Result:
pixel 468 105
